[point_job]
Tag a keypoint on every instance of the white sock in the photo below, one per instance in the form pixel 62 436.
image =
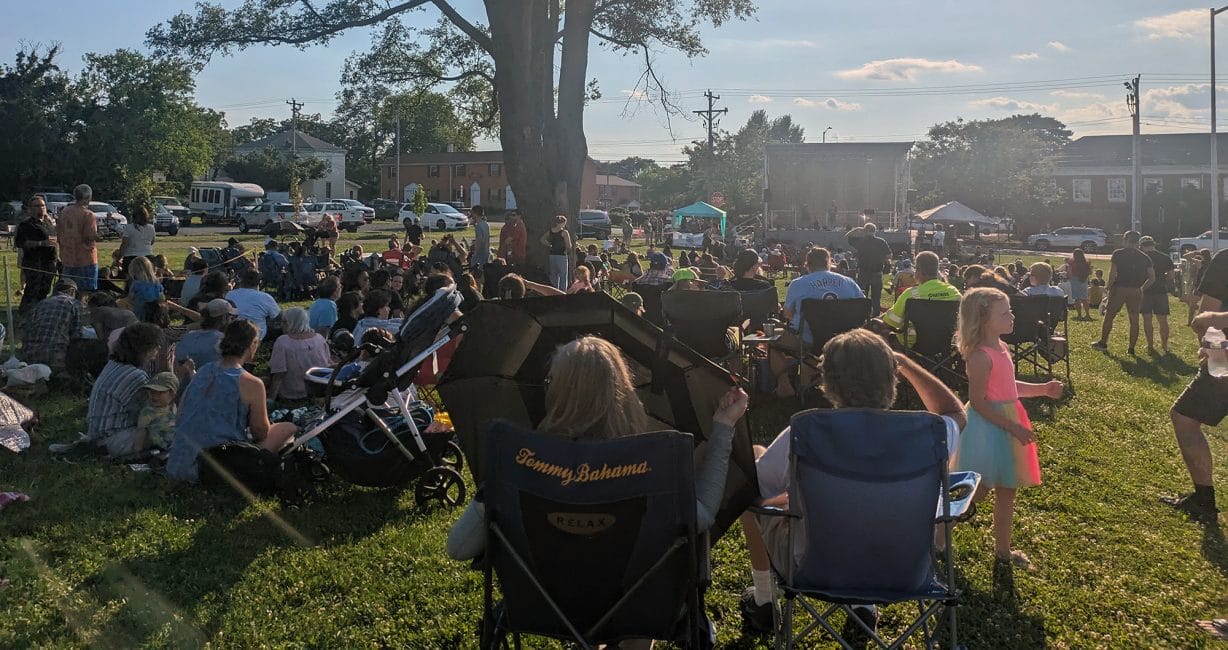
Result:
pixel 762 581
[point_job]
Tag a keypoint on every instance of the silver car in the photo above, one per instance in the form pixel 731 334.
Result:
pixel 1089 239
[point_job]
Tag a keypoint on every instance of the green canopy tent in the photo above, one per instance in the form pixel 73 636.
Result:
pixel 700 210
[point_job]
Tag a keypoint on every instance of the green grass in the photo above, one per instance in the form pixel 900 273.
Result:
pixel 103 556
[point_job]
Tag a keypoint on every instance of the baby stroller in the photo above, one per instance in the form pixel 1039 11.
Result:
pixel 374 430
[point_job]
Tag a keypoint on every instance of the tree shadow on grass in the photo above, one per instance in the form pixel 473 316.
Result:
pixel 1166 371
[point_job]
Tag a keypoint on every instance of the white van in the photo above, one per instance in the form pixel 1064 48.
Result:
pixel 218 202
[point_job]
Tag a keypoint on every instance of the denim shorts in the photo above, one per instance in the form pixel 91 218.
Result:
pixel 86 277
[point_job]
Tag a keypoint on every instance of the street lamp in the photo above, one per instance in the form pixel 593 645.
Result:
pixel 1216 193
pixel 825 134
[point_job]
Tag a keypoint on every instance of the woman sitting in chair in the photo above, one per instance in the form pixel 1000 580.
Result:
pixel 591 396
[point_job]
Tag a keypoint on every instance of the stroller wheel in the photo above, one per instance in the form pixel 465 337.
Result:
pixel 452 456
pixel 441 485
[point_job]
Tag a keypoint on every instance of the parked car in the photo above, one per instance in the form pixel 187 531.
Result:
pixel 368 213
pixel 1089 239
pixel 166 220
pixel 1184 245
pixel 260 215
pixel 385 209
pixel 55 200
pixel 110 220
pixel 348 217
pixel 12 213
pixel 593 223
pixel 439 216
pixel 175 207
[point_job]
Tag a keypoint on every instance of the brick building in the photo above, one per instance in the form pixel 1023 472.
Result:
pixel 1094 175
pixel 830 184
pixel 470 177
pixel 614 191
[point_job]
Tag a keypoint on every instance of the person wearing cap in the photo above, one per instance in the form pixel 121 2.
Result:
pixel 1155 295
pixel 659 270
pixel 198 347
pixel 686 279
pixel 53 322
pixel 633 301
pixel 1131 272
pixel 155 423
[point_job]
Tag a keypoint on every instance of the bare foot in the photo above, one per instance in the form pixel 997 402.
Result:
pixel 1019 560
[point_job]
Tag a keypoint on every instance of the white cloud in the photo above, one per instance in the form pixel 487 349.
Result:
pixel 1011 104
pixel 1076 94
pixel 906 69
pixel 803 102
pixel 759 99
pixel 637 94
pixel 1059 46
pixel 1181 25
pixel 833 104
pixel 1026 56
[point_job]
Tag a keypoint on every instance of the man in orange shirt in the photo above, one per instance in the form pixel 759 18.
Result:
pixel 76 229
pixel 513 239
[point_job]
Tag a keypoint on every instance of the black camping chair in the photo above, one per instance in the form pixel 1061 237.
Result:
pixel 825 319
pixel 1038 340
pixel 929 338
pixel 867 488
pixel 758 306
pixel 701 320
pixel 592 542
pixel 651 293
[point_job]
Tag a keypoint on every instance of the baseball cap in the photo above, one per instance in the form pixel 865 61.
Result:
pixel 65 284
pixel 220 307
pixel 192 250
pixel 163 381
pixel 684 274
pixel 657 260
pixel 232 241
pixel 633 301
pixel 1147 240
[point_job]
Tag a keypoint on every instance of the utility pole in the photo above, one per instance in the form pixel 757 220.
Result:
pixel 1216 190
pixel 1136 208
pixel 709 117
pixel 295 106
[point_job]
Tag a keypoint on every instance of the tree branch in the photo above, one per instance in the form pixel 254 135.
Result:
pixel 471 30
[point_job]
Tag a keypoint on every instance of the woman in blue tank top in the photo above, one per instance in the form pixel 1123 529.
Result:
pixel 224 403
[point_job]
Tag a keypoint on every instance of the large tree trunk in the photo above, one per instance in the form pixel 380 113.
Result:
pixel 544 153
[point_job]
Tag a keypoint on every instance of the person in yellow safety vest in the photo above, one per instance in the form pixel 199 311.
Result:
pixel 930 286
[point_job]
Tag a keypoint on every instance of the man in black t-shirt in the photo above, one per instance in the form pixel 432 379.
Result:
pixel 1155 298
pixel 1130 274
pixel 872 252
pixel 1204 401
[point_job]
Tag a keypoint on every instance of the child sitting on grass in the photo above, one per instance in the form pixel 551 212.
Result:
pixel 155 424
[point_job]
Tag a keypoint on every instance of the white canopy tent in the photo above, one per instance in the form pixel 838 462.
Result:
pixel 955 212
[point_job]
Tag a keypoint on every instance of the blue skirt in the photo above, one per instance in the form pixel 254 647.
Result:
pixel 999 457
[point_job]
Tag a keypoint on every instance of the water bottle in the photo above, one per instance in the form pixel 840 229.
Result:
pixel 1217 352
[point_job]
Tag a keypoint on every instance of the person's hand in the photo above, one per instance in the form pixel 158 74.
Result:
pixel 731 407
pixel 1203 358
pixel 1207 319
pixel 1054 389
pixel 1023 434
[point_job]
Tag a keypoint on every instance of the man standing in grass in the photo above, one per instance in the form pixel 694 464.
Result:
pixel 1204 401
pixel 1130 274
pixel 76 229
pixel 1155 296
pixel 872 253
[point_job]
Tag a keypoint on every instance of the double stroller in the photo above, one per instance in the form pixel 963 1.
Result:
pixel 374 431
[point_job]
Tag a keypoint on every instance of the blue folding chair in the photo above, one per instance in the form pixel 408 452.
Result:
pixel 866 489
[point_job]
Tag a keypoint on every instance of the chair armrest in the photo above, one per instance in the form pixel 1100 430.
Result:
pixel 962 488
pixel 773 511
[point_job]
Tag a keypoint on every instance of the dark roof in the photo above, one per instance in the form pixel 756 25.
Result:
pixel 612 180
pixel 303 142
pixel 840 148
pixel 1167 149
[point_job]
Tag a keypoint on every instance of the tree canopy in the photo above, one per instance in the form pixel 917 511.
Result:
pixel 272 169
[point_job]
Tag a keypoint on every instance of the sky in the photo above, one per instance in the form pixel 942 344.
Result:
pixel 872 70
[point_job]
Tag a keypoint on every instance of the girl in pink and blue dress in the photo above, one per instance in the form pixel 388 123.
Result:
pixel 998 441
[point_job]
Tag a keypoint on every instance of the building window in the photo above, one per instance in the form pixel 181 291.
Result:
pixel 1191 181
pixel 458 194
pixel 494 194
pixel 459 170
pixel 495 169
pixel 328 189
pixel 1153 185
pixel 433 170
pixel 1082 190
pixel 603 191
pixel 435 195
pixel 1117 190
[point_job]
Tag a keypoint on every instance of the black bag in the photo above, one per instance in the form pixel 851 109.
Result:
pixel 260 471
pixel 85 359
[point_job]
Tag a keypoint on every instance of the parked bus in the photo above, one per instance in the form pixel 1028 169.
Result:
pixel 217 202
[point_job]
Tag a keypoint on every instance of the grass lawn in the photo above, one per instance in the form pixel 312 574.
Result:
pixel 107 557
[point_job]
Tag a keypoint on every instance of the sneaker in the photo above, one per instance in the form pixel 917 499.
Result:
pixel 1100 346
pixel 853 633
pixel 1193 506
pixel 755 617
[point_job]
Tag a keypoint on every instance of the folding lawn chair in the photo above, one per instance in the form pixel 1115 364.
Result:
pixel 758 306
pixel 702 320
pixel 825 319
pixel 929 338
pixel 592 542
pixel 1038 340
pixel 866 489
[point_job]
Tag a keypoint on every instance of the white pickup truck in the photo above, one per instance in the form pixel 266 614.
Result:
pixel 347 217
pixel 1184 245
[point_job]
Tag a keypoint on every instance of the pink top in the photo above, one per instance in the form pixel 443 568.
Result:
pixel 1001 386
pixel 293 357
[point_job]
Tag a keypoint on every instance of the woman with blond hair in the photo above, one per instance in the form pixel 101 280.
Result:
pixel 591 396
